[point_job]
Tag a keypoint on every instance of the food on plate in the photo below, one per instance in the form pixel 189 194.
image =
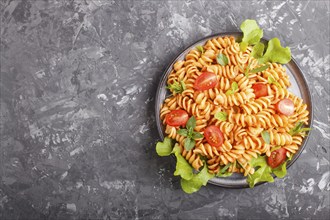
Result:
pixel 230 111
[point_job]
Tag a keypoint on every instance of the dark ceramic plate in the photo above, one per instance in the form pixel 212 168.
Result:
pixel 299 87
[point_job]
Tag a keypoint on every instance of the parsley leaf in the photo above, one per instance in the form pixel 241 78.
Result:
pixel 222 59
pixel 222 116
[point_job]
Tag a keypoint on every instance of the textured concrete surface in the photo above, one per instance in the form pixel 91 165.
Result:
pixel 78 81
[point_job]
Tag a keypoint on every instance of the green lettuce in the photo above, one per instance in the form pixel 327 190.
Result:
pixel 183 168
pixel 280 171
pixel 251 33
pixel 197 181
pixel 264 172
pixel 276 53
pixel 258 50
pixel 190 182
pixel 223 172
pixel 164 148
pixel 298 129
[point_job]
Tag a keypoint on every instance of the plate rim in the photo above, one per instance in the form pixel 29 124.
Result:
pixel 239 34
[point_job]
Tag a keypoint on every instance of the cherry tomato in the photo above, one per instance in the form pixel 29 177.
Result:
pixel 260 90
pixel 276 158
pixel 285 107
pixel 177 117
pixel 213 136
pixel 205 81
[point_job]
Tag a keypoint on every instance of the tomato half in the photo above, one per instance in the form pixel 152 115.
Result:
pixel 260 90
pixel 213 136
pixel 285 107
pixel 177 117
pixel 205 81
pixel 277 157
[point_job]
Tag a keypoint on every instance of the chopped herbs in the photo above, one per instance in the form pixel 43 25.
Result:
pixel 222 59
pixel 177 87
pixel 200 49
pixel 233 89
pixel 221 116
pixel 297 129
pixel 271 80
pixel 265 136
pixel 259 69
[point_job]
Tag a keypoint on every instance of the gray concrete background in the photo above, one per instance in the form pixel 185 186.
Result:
pixel 78 132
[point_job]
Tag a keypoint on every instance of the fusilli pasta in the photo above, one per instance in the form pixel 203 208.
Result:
pixel 247 115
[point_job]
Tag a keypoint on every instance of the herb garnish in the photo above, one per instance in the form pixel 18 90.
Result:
pixel 259 69
pixel 271 80
pixel 190 134
pixel 177 87
pixel 265 136
pixel 200 49
pixel 233 89
pixel 222 116
pixel 222 59
pixel 298 129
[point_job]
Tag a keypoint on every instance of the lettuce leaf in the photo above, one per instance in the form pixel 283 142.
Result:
pixel 164 148
pixel 276 53
pixel 183 168
pixel 197 181
pixel 262 174
pixel 225 174
pixel 280 171
pixel 258 50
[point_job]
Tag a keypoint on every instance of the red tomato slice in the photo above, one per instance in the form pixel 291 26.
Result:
pixel 276 158
pixel 205 81
pixel 285 107
pixel 213 136
pixel 177 117
pixel 260 90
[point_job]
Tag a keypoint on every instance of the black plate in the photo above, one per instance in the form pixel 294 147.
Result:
pixel 299 87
